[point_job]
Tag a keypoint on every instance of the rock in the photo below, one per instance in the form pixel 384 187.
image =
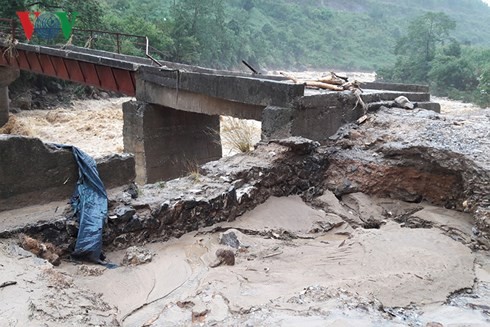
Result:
pixel 23 102
pixel 224 257
pixel 46 251
pixel 299 145
pixel 370 214
pixel 124 213
pixel 132 190
pixel 135 256
pixel 199 317
pixel 403 102
pixel 54 87
pixel 104 95
pixel 229 238
pixel 329 203
pixel 434 324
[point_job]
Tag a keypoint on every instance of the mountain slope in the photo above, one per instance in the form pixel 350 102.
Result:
pixel 348 34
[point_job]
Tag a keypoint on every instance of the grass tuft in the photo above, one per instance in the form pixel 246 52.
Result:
pixel 238 135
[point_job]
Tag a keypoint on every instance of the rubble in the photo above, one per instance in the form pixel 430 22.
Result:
pixel 43 250
pixel 414 156
pixel 223 257
pixel 135 256
pixel 229 238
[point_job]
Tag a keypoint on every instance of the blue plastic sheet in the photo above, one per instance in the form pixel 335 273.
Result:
pixel 89 203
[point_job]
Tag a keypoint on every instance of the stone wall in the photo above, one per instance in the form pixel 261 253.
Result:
pixel 32 172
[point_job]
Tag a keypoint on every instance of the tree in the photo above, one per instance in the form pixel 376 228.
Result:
pixel 417 49
pixel 483 97
pixel 424 34
pixel 201 34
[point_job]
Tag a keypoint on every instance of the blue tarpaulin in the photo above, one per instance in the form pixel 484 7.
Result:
pixel 89 203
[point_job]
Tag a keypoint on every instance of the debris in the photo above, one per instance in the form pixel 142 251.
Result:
pixel 90 206
pixel 362 120
pixel 132 190
pixel 404 103
pixel 86 270
pixel 333 79
pixel 185 304
pixel 250 67
pixel 229 238
pixel 224 257
pixel 46 251
pixel 199 317
pixel 358 92
pixel 325 86
pixel 294 79
pixel 434 324
pixel 272 255
pixel 9 283
pixel 135 256
pixel 124 213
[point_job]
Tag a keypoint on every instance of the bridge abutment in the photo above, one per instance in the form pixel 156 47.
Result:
pixel 168 143
pixel 7 76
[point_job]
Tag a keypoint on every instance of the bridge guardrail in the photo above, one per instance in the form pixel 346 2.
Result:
pixel 7 27
pixel 121 43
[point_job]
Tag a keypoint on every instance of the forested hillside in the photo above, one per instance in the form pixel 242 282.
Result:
pixel 348 34
pixel 302 34
pixel 286 34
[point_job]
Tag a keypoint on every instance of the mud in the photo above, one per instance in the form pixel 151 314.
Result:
pixel 288 271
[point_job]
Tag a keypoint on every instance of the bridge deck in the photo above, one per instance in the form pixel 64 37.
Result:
pixel 117 72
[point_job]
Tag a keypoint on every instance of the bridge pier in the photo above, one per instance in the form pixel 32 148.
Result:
pixel 7 76
pixel 168 143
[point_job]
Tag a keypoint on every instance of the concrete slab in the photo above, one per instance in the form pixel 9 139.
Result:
pixel 247 90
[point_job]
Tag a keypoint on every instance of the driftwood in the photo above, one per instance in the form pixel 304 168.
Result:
pixel 354 85
pixel 345 78
pixel 358 93
pixel 333 79
pixel 291 77
pixel 324 86
pixel 334 82
pixel 5 284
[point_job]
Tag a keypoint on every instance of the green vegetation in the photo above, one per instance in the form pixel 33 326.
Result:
pixel 428 54
pixel 303 34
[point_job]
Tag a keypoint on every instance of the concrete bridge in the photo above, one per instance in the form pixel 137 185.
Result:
pixel 177 106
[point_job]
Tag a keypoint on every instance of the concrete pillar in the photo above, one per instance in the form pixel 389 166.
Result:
pixel 7 76
pixel 168 143
pixel 276 122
